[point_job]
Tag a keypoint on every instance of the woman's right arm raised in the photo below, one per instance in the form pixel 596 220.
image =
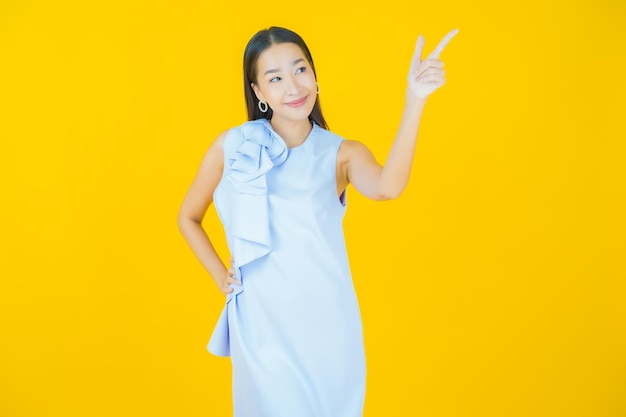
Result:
pixel 197 200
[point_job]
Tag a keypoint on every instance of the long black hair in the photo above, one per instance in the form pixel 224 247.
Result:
pixel 262 40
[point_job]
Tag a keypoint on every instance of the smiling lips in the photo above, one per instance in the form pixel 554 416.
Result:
pixel 297 103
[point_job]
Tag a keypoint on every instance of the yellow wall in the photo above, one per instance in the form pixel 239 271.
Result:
pixel 493 287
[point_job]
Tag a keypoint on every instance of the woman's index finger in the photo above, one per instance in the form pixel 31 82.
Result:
pixel 442 44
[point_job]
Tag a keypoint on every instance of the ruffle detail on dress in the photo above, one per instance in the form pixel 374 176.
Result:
pixel 244 191
pixel 261 150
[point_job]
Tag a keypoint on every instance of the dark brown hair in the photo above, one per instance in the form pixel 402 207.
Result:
pixel 259 43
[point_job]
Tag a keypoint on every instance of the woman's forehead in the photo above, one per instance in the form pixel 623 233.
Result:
pixel 280 54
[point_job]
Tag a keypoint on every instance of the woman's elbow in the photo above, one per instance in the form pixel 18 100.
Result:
pixel 184 220
pixel 181 221
pixel 390 193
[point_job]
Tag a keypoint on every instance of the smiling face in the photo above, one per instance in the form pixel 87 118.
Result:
pixel 285 80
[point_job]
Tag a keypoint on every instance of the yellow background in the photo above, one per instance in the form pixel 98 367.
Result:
pixel 493 287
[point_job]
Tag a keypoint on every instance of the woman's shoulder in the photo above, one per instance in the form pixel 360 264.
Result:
pixel 219 140
pixel 328 135
pixel 347 147
pixel 230 138
pixel 243 129
pixel 350 149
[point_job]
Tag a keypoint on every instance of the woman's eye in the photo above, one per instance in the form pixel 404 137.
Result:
pixel 301 69
pixel 273 80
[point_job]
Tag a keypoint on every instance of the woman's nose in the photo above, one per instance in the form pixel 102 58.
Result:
pixel 291 85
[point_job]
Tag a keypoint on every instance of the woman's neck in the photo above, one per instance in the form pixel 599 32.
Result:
pixel 293 132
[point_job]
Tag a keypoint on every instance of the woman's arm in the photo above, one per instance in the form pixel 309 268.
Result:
pixel 197 200
pixel 357 164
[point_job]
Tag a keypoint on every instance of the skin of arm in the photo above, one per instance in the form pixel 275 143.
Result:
pixel 356 163
pixel 195 204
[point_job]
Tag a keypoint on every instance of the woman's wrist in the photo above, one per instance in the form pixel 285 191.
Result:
pixel 411 98
pixel 412 101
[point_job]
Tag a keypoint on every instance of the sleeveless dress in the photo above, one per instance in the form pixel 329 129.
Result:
pixel 293 328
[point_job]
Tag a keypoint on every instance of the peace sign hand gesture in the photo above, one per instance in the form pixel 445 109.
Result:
pixel 428 75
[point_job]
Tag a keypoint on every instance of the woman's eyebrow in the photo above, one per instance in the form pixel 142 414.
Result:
pixel 270 71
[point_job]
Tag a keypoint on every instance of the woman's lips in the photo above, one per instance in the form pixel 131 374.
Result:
pixel 297 103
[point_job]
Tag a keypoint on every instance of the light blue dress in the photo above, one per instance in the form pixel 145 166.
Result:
pixel 293 328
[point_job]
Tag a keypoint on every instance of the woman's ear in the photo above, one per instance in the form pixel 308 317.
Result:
pixel 257 92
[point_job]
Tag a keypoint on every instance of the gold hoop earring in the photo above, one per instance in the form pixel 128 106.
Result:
pixel 263 106
pixel 318 87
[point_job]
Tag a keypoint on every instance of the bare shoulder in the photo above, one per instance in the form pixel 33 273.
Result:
pixel 222 136
pixel 200 193
pixel 215 153
pixel 350 148
pixel 218 142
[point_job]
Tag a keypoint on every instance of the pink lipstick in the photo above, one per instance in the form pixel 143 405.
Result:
pixel 297 103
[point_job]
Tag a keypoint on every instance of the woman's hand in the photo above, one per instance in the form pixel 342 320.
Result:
pixel 428 75
pixel 230 279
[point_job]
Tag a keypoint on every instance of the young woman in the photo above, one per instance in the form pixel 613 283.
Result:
pixel 291 323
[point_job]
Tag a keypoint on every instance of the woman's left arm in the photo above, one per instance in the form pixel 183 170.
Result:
pixel 359 165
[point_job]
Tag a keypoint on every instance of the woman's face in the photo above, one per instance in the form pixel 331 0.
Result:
pixel 285 80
